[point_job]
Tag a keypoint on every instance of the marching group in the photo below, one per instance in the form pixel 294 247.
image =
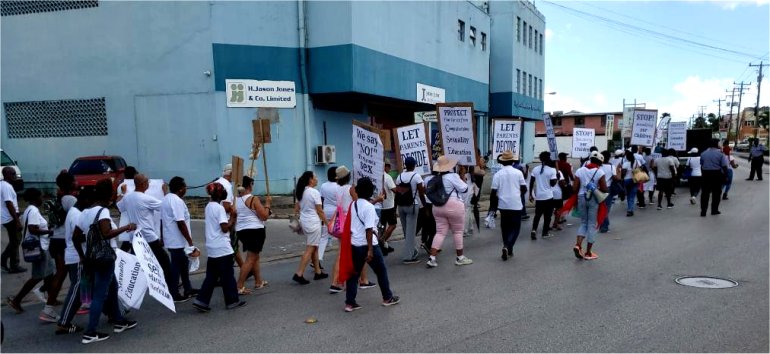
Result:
pixel 76 237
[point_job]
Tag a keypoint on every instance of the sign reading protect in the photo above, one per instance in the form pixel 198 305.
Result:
pixel 260 93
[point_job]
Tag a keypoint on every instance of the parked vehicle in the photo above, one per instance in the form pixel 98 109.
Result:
pixel 91 169
pixel 743 146
pixel 7 161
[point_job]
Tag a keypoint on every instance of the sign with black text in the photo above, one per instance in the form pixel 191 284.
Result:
pixel 677 136
pixel 156 282
pixel 582 140
pixel 132 283
pixel 644 127
pixel 458 137
pixel 549 133
pixel 260 93
pixel 412 141
pixel 507 136
pixel 368 155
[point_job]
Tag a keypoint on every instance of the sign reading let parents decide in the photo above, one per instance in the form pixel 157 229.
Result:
pixel 677 136
pixel 643 132
pixel 412 141
pixel 368 154
pixel 582 140
pixel 457 134
pixel 507 136
pixel 260 93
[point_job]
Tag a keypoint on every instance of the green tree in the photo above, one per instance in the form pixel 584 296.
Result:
pixel 700 123
pixel 713 122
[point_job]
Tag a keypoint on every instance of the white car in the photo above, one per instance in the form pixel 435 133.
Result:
pixel 6 161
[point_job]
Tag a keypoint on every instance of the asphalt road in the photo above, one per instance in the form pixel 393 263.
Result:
pixel 544 300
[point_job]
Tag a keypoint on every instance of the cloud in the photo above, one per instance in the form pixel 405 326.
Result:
pixel 600 99
pixel 564 103
pixel 548 34
pixel 733 4
pixel 691 94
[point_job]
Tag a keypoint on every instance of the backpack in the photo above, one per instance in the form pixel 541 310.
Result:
pixel 99 253
pixel 436 192
pixel 55 212
pixel 404 194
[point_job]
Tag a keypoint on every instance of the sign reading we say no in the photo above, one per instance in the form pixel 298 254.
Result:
pixel 368 154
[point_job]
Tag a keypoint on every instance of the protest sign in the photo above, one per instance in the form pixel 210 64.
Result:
pixel 609 127
pixel 368 155
pixel 132 283
pixel 677 136
pixel 643 132
pixel 458 136
pixel 412 141
pixel 507 136
pixel 582 140
pixel 552 148
pixel 156 282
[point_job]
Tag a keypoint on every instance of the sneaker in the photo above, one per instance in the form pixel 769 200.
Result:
pixel 192 292
pixel 94 337
pixel 368 285
pixel 12 304
pixel 125 325
pixel 236 305
pixel 431 263
pixel 334 289
pixel 201 307
pixel 69 329
pixel 462 260
pixel 692 200
pixel 642 206
pixel 301 280
pixel 390 249
pixel 48 315
pixel 351 308
pixel 525 217
pixel 660 207
pixel 533 235
pixel 414 260
pixel 392 301
pixel 548 235
pixel 505 254
pixel 320 276
pixel 41 295
pixel 83 311
pixel 182 298
pixel 724 197
pixel 629 213
pixel 670 206
pixel 425 247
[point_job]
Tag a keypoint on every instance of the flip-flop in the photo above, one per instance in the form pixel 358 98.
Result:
pixel 591 257
pixel 578 252
pixel 244 291
pixel 261 285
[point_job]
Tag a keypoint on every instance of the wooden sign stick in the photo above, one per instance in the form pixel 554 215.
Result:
pixel 264 160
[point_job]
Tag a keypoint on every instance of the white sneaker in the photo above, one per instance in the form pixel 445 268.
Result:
pixel 40 294
pixel 432 263
pixel 692 200
pixel 48 314
pixel 462 260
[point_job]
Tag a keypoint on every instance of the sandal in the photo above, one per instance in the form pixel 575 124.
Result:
pixel 244 291
pixel 591 256
pixel 578 252
pixel 261 285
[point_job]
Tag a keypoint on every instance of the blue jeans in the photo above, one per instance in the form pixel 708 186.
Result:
pixel 588 210
pixel 180 266
pixel 631 188
pixel 378 266
pixel 72 301
pixel 510 225
pixel 104 298
pixel 219 268
pixel 408 216
pixel 729 182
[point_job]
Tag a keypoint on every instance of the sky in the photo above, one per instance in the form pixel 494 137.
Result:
pixel 593 65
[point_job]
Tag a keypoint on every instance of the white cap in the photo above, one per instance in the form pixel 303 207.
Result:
pixel 618 152
pixel 694 150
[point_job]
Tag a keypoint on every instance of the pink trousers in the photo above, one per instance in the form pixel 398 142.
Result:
pixel 449 216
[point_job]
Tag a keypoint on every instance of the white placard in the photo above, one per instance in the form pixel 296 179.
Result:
pixel 368 156
pixel 413 142
pixel 457 135
pixel 429 116
pixel 430 94
pixel 625 124
pixel 549 133
pixel 156 282
pixel 507 136
pixel 643 132
pixel 677 136
pixel 260 93
pixel 132 283
pixel 609 127
pixel 582 140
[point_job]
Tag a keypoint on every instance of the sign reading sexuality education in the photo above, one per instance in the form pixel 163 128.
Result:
pixel 457 132
pixel 368 154
pixel 582 140
pixel 132 283
pixel 643 132
pixel 677 136
pixel 507 136
pixel 412 141
pixel 156 282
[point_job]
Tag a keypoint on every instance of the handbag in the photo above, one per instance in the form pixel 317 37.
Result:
pixel 30 246
pixel 639 176
pixel 687 173
pixel 99 252
pixel 337 224
pixel 294 224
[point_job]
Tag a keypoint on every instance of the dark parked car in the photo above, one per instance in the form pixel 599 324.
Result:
pixel 91 169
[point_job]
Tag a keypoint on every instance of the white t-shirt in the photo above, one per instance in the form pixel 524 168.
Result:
pixel 307 211
pixel 228 188
pixel 694 164
pixel 416 179
pixel 586 175
pixel 141 209
pixel 328 192
pixel 365 218
pixel 58 231
pixel 87 218
pixel 469 192
pixel 507 182
pixel 70 254
pixel 454 186
pixel 629 168
pixel 217 242
pixel 543 190
pixel 615 161
pixel 390 197
pixel 246 218
pixel 556 190
pixel 130 187
pixel 8 195
pixel 32 217
pixel 343 195
pixel 174 209
pixel 609 171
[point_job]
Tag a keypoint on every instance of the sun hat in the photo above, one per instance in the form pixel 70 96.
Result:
pixel 342 172
pixel 444 164
pixel 507 155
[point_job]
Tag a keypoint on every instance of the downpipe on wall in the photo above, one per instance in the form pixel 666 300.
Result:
pixel 303 76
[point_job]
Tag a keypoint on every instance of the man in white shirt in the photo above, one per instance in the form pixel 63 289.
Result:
pixel 508 185
pixel 541 181
pixel 9 212
pixel 141 209
pixel 125 187
pixel 388 214
pixel 176 238
pixel 227 182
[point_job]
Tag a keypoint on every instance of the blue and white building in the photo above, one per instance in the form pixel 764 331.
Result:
pixel 147 80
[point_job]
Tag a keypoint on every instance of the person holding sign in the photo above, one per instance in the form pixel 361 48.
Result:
pixel 445 192
pixel 508 185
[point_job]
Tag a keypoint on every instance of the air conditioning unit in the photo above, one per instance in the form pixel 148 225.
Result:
pixel 325 154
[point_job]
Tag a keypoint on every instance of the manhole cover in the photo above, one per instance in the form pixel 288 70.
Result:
pixel 707 282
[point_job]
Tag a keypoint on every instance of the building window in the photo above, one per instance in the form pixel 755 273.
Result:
pixel 483 41
pixel 11 8
pixel 56 119
pixel 472 36
pixel 603 121
pixel 518 29
pixel 535 91
pixel 524 83
pixel 580 121
pixel 556 121
pixel 525 33
pixel 530 37
pixel 542 91
pixel 529 86
pixel 461 30
pixel 541 44
pixel 535 41
pixel 518 81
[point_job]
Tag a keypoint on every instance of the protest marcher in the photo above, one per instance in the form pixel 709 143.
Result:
pixel 588 179
pixel 96 221
pixel 541 183
pixel 125 187
pixel 364 247
pixel 226 181
pixel 36 227
pixel 611 176
pixel 57 214
pixel 410 196
pixel 508 185
pixel 425 221
pixel 141 209
pixel 388 215
pixel 219 265
pixel 328 192
pixel 665 170
pixel 627 170
pixel 585 161
pixel 731 166
pixel 652 184
pixel 524 169
pixel 757 159
pixel 450 215
pixel 692 168
pixel 558 200
pixel 466 197
pixel 9 214
pixel 250 227
pixel 177 239
pixel 714 168
pixel 312 219
pixel 566 191
pixel 74 267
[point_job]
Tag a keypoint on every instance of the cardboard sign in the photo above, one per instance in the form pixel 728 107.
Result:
pixel 132 283
pixel 507 136
pixel 582 140
pixel 677 136
pixel 549 133
pixel 237 174
pixel 458 137
pixel 261 131
pixel 435 145
pixel 368 155
pixel 609 126
pixel 156 282
pixel 412 141
pixel 643 132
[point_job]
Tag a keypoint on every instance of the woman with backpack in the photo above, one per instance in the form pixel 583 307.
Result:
pixel 587 179
pixel 445 192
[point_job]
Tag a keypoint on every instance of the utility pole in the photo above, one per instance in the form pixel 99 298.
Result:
pixel 719 107
pixel 740 100
pixel 730 121
pixel 701 111
pixel 759 85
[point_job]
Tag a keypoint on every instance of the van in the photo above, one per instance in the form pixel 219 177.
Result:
pixel 7 161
